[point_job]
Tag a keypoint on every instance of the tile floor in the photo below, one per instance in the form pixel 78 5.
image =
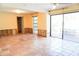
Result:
pixel 32 45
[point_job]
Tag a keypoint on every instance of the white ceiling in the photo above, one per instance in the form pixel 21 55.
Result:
pixel 31 7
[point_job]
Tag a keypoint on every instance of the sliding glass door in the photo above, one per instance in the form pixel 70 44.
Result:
pixel 71 26
pixel 56 26
pixel 66 25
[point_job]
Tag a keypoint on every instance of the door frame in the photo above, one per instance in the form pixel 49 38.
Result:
pixel 33 24
pixel 22 28
pixel 61 25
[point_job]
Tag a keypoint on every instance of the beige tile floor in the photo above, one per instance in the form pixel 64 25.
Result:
pixel 32 45
pixel 23 44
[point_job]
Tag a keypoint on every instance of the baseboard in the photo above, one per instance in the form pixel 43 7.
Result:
pixel 42 32
pixel 28 30
pixel 7 32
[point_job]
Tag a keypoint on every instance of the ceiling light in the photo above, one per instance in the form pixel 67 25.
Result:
pixel 54 6
pixel 18 11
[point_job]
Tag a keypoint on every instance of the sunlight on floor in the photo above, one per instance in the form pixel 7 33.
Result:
pixel 32 45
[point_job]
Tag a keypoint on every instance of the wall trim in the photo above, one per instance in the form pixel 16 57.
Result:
pixel 42 32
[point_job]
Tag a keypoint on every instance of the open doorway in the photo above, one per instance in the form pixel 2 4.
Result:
pixel 19 24
pixel 35 24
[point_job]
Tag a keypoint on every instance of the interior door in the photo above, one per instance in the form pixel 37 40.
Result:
pixel 19 24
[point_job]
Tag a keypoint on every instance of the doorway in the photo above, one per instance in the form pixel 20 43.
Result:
pixel 35 24
pixel 19 24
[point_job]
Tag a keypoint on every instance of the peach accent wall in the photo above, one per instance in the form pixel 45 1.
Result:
pixel 42 21
pixel 7 21
pixel 28 20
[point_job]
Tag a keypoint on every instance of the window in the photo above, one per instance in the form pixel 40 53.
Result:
pixel 71 26
pixel 56 26
pixel 35 25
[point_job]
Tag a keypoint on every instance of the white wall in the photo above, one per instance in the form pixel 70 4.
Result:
pixel 48 24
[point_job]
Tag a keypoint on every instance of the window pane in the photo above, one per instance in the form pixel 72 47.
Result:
pixel 35 17
pixel 35 28
pixel 71 27
pixel 35 25
pixel 57 26
pixel 35 21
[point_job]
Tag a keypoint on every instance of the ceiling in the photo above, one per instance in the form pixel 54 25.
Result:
pixel 31 7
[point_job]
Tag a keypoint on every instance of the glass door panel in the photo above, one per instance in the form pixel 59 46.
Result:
pixel 35 25
pixel 56 26
pixel 71 27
